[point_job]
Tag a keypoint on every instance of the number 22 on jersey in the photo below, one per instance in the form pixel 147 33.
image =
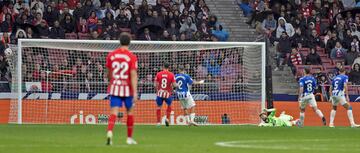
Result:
pixel 119 70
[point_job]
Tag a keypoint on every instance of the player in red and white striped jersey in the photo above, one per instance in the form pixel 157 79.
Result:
pixel 122 66
pixel 164 84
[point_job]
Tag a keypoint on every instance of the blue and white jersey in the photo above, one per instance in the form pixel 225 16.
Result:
pixel 338 84
pixel 308 83
pixel 183 81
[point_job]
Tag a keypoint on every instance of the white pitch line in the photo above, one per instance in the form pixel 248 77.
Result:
pixel 257 144
pixel 70 146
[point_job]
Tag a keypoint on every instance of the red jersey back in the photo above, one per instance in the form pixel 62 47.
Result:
pixel 165 79
pixel 120 62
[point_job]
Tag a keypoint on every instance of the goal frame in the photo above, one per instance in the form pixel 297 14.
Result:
pixel 234 44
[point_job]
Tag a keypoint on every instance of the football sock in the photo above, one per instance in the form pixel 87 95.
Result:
pixel 111 122
pixel 130 125
pixel 302 117
pixel 350 116
pixel 168 111
pixel 158 115
pixel 332 116
pixel 187 118
pixel 319 113
pixel 192 117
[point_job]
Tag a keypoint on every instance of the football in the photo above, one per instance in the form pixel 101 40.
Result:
pixel 8 52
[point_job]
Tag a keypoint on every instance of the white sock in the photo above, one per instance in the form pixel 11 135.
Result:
pixel 319 113
pixel 109 134
pixel 351 117
pixel 302 117
pixel 332 116
pixel 192 117
pixel 187 118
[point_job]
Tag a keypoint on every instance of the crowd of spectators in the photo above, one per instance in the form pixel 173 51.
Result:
pixel 323 33
pixel 166 20
pixel 74 71
pixel 105 19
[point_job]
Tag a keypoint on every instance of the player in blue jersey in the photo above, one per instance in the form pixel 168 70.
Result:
pixel 187 102
pixel 306 96
pixel 339 94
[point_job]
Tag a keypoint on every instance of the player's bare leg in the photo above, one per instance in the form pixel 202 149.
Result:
pixel 320 114
pixel 348 107
pixel 130 127
pixel 332 116
pixel 192 116
pixel 111 124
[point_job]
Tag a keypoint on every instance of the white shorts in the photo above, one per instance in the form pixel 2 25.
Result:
pixel 308 99
pixel 335 100
pixel 186 100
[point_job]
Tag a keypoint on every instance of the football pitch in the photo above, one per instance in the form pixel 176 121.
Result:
pixel 178 139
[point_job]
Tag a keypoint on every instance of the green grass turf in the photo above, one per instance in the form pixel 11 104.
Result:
pixel 178 139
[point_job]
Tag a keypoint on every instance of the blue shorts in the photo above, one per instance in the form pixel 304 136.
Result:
pixel 160 100
pixel 116 101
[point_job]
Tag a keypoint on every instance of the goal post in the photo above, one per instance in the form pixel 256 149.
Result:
pixel 64 81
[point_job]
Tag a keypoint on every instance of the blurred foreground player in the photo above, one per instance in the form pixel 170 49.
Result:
pixel 122 89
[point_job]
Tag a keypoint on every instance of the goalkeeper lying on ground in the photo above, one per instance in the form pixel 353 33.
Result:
pixel 272 120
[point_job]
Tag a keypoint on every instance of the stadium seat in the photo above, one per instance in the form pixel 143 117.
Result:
pixel 326 71
pixel 353 90
pixel 125 30
pixel 320 50
pixel 304 49
pixel 70 36
pixel 299 70
pixel 316 68
pixel 330 68
pixel 334 61
pixel 326 61
pixel 323 56
pixel 347 68
pixel 83 35
pixel 327 65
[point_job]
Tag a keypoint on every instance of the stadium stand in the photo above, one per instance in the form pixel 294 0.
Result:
pixel 228 13
pixel 330 28
pixel 105 17
pixel 160 20
pixel 317 25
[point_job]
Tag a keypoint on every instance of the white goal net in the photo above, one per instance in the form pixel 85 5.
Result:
pixel 65 81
